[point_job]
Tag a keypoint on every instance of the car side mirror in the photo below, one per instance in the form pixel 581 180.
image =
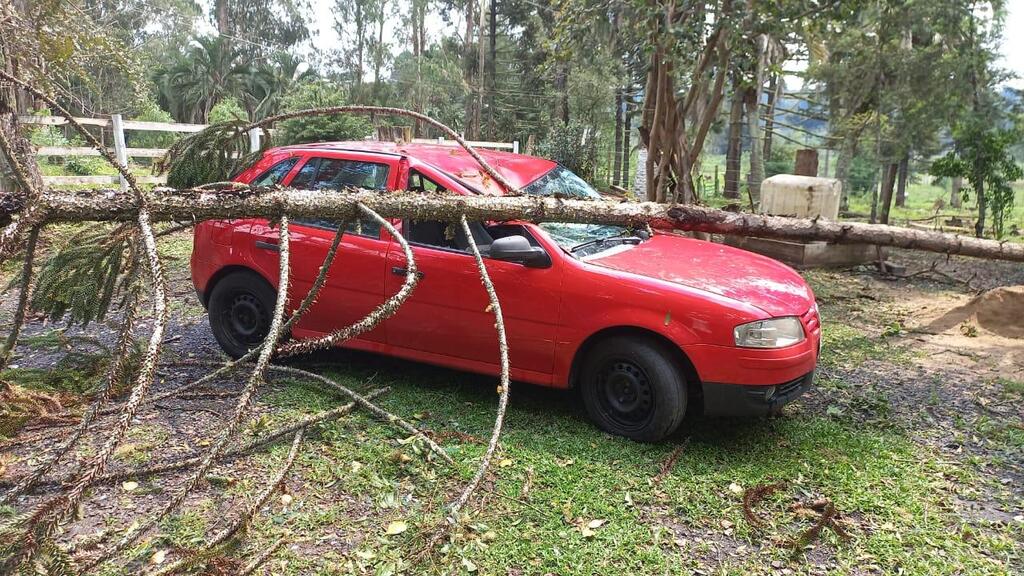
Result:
pixel 518 249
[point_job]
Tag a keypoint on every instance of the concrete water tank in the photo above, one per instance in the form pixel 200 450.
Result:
pixel 801 196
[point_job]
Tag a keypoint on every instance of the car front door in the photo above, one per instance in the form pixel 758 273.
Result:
pixel 355 281
pixel 447 319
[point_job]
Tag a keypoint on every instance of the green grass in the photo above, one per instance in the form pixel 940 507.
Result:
pixel 76 376
pixel 356 475
pixel 1012 387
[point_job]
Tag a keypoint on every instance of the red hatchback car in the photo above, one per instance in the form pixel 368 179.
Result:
pixel 645 326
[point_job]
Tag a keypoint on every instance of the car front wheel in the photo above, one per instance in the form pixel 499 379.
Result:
pixel 241 307
pixel 633 387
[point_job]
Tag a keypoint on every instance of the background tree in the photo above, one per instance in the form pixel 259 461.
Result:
pixel 981 155
pixel 319 94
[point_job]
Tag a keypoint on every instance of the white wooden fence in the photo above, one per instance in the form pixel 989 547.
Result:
pixel 118 126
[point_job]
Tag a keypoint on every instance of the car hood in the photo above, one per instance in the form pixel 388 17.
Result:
pixel 730 272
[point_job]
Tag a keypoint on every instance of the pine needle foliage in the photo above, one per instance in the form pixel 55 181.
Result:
pixel 215 154
pixel 81 279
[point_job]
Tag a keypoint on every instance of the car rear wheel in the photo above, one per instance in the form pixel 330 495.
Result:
pixel 241 307
pixel 633 387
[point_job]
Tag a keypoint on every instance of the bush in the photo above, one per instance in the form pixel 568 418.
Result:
pixel 319 94
pixel 572 145
pixel 149 111
pixel 227 109
pixel 781 161
pixel 87 166
pixel 862 174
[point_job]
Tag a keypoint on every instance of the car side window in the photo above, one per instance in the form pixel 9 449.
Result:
pixel 420 183
pixel 446 236
pixel 337 174
pixel 276 173
pixel 305 176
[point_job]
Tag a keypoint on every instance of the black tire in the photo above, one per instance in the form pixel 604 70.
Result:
pixel 633 387
pixel 240 310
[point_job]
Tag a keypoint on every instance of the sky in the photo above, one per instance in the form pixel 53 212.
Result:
pixel 1013 42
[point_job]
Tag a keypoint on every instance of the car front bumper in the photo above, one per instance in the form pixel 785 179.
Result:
pixel 741 400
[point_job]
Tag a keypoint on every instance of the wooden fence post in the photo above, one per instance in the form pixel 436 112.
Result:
pixel 806 162
pixel 120 150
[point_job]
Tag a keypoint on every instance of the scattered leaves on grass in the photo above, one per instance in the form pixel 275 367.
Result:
pixel 397 527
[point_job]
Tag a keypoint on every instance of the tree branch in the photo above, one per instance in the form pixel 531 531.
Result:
pixel 168 204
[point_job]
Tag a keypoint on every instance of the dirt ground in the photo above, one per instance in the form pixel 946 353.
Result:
pixel 922 359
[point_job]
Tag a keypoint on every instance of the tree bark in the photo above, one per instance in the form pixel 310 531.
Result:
pixel 481 62
pixel 25 156
pixel 562 92
pixel 492 69
pixel 979 194
pixel 617 155
pixel 756 174
pixel 901 182
pixel 166 204
pixel 378 53
pixel 734 146
pixel 467 72
pixel 626 146
pixel 774 85
pixel 956 192
pixel 885 194
pixel 844 160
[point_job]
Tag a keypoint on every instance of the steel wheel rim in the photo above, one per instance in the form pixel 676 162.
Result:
pixel 625 394
pixel 245 318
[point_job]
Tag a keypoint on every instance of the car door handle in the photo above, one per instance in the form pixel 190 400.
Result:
pixel 272 246
pixel 400 271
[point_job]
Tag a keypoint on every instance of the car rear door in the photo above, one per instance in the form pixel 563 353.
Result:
pixel 355 282
pixel 446 318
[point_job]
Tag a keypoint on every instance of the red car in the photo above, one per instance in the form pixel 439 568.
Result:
pixel 645 326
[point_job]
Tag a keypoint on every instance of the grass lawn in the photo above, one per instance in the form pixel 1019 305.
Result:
pixel 565 498
pixel 894 494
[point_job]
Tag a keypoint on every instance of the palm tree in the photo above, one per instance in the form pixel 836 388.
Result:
pixel 209 71
pixel 266 84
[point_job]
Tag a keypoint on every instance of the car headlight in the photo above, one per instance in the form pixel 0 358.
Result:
pixel 773 333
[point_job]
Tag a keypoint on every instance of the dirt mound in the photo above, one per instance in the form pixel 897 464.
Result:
pixel 999 311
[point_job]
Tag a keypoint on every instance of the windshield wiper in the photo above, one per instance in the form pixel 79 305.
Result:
pixel 608 239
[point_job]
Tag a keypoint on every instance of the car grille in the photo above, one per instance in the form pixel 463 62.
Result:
pixel 782 390
pixel 789 387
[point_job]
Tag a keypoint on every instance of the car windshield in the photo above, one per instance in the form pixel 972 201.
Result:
pixel 579 239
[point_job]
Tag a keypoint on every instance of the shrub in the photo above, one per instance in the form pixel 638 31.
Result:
pixel 319 94
pixel 227 109
pixel 572 145
pixel 150 111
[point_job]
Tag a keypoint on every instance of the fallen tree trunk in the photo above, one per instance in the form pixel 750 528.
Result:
pixel 169 204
